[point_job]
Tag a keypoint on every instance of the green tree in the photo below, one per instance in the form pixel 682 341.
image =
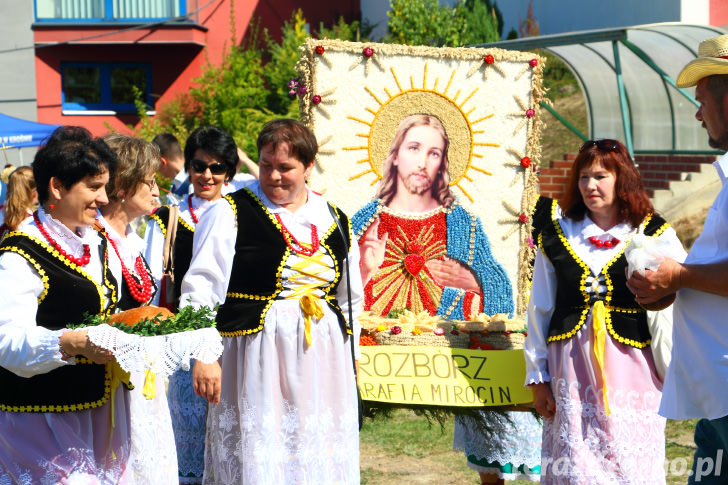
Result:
pixel 483 22
pixel 427 22
pixel 281 65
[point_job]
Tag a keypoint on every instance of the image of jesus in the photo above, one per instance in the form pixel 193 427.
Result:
pixel 420 249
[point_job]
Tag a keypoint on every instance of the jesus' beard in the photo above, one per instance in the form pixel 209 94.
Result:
pixel 417 183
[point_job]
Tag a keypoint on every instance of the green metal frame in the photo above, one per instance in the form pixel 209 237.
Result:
pixel 615 36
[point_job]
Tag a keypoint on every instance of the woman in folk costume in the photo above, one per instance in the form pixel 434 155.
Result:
pixel 588 355
pixel 288 408
pixel 211 158
pixel 60 419
pixel 131 193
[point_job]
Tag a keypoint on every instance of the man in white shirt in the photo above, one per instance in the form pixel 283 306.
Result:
pixel 172 166
pixel 696 384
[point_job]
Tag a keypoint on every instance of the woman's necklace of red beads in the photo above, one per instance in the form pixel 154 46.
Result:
pixel 296 246
pixel 192 211
pixel 82 261
pixel 140 292
pixel 600 244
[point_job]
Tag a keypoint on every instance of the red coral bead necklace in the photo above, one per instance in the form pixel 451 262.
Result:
pixel 141 292
pixel 82 261
pixel 192 211
pixel 603 244
pixel 296 246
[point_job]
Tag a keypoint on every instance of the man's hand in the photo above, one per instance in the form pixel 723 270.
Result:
pixel 543 399
pixel 452 273
pixel 656 285
pixel 371 249
pixel 206 379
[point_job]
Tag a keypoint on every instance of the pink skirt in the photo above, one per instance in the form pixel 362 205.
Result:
pixel 581 443
pixel 70 448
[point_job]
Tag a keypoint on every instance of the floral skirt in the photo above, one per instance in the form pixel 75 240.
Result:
pixel 288 411
pixel 514 453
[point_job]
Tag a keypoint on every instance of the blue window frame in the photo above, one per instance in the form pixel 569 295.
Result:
pixel 107 10
pixel 95 86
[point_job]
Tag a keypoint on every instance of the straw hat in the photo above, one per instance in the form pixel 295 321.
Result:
pixel 712 59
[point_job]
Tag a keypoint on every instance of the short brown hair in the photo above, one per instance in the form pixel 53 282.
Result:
pixel 631 197
pixel 137 159
pixel 301 140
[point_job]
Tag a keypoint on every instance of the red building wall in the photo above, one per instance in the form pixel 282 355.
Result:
pixel 718 12
pixel 177 56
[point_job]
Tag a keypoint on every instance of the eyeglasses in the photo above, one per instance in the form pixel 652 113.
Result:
pixel 216 168
pixel 151 183
pixel 605 144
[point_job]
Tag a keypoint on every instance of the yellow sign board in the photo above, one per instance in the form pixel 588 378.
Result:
pixel 443 376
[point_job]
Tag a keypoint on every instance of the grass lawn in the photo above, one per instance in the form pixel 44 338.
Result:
pixel 406 449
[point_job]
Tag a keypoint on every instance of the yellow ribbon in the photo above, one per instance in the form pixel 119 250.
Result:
pixel 599 317
pixel 149 390
pixel 117 376
pixel 311 307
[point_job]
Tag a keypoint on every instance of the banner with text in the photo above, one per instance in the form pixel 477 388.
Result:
pixel 443 376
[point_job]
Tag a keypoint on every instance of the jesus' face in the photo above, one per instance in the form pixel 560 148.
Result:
pixel 419 159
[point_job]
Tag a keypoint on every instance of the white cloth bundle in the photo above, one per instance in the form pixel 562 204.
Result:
pixel 647 252
pixel 161 354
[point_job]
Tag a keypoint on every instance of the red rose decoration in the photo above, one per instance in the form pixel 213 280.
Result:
pixel 316 99
pixel 530 113
pixel 368 52
pixel 523 218
pixel 489 59
pixel 396 330
pixel 320 49
pixel 533 62
pixel 525 162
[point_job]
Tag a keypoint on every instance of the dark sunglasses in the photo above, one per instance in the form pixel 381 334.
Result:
pixel 216 168
pixel 606 145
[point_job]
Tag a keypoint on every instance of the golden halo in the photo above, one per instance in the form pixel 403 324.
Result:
pixel 416 101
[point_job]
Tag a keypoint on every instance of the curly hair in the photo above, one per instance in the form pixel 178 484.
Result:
pixel 137 159
pixel 216 142
pixel 633 204
pixel 70 154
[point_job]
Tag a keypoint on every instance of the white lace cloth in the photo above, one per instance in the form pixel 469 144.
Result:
pixel 162 354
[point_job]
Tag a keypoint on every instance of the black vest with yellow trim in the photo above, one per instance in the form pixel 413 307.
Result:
pixel 68 293
pixel 260 257
pixel 626 321
pixel 182 246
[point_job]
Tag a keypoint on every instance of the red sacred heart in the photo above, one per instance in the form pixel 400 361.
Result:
pixel 414 263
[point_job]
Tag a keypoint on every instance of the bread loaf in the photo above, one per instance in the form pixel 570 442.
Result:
pixel 131 317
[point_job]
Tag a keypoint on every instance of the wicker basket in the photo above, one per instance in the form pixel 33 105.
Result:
pixel 503 341
pixel 405 337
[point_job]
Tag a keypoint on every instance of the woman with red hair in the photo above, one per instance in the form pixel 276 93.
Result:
pixel 588 357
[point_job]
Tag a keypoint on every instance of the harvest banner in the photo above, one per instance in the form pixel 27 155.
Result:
pixel 443 376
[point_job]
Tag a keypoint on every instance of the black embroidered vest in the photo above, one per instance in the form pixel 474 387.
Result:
pixel 69 293
pixel 260 256
pixel 182 247
pixel 626 321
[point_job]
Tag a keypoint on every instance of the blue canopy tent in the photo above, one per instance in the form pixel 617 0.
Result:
pixel 17 133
